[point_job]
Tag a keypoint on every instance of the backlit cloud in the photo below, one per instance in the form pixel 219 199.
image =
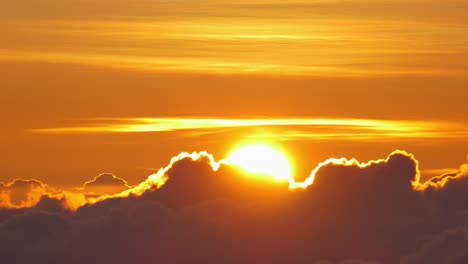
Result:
pixel 22 193
pixel 199 209
pixel 105 183
pixel 28 193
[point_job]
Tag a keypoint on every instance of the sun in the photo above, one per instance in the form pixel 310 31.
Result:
pixel 261 159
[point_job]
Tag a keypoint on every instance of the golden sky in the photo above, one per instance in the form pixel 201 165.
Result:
pixel 234 131
pixel 122 86
pixel 324 38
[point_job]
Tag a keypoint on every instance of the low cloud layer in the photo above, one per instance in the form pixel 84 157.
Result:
pixel 197 210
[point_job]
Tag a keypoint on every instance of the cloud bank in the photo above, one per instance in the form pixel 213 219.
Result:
pixel 203 211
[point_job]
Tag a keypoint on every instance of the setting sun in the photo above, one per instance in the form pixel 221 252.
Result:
pixel 259 159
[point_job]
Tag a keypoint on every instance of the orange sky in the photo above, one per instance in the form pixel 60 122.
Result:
pixel 389 62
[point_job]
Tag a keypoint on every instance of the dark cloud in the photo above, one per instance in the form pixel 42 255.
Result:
pixel 352 213
pixel 353 261
pixel 448 247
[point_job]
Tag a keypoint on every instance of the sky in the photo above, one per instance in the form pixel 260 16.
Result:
pixel 98 100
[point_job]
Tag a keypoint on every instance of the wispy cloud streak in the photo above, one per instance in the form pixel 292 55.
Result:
pixel 280 127
pixel 299 38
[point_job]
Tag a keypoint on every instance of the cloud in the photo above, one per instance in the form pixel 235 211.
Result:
pixel 449 191
pixel 447 247
pixel 199 210
pixel 324 129
pixel 353 261
pixel 118 34
pixel 105 183
pixel 439 182
pixel 22 193
pixel 34 193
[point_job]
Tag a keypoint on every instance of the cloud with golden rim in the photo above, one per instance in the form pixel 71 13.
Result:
pixel 199 208
pixel 28 193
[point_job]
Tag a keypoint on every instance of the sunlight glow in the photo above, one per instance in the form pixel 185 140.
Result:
pixel 259 159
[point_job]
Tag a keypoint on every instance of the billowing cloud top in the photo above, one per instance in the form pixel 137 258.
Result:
pixel 105 183
pixel 199 210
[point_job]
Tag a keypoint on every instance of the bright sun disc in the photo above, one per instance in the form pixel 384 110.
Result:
pixel 260 159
